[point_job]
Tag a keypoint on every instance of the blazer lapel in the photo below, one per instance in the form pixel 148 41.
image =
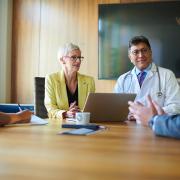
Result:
pixel 82 91
pixel 62 90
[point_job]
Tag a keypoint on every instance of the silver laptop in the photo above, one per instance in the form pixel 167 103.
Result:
pixel 108 107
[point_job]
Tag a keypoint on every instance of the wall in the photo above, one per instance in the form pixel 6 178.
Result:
pixel 40 27
pixel 25 49
pixel 5 49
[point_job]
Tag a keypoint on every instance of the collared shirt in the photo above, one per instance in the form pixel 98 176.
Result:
pixel 137 71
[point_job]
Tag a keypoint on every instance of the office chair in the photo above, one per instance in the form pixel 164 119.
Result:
pixel 40 109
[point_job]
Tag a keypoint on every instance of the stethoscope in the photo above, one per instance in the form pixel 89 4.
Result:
pixel 159 93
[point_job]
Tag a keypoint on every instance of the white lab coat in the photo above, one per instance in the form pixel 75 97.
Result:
pixel 170 99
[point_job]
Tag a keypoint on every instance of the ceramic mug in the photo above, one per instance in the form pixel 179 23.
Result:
pixel 82 117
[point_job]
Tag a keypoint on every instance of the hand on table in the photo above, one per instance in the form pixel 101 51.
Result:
pixel 23 117
pixel 72 110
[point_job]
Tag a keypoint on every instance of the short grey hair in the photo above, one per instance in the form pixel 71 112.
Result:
pixel 65 49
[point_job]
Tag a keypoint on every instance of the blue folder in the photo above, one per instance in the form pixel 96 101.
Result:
pixel 13 108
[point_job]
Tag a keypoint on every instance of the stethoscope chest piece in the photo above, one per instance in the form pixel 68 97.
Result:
pixel 159 94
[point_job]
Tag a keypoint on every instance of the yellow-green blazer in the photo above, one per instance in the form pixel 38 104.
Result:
pixel 56 99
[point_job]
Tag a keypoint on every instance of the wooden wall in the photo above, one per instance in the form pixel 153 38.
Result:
pixel 40 27
pixel 5 50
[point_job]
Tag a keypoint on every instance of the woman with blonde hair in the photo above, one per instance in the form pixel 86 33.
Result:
pixel 66 91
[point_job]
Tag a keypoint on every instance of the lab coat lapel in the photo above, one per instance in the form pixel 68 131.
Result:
pixel 151 72
pixel 135 81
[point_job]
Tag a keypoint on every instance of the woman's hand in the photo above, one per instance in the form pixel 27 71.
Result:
pixel 72 110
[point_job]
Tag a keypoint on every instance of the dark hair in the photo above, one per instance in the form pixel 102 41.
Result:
pixel 139 39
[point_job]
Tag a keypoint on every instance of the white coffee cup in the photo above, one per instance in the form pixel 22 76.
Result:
pixel 82 117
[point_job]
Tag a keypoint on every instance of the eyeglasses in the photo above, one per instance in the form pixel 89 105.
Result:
pixel 75 58
pixel 144 51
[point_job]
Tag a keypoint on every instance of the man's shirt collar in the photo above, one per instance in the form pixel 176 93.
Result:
pixel 137 71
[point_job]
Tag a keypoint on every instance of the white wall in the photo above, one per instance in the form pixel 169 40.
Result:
pixel 5 49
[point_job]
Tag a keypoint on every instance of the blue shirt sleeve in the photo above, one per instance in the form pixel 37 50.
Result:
pixel 166 125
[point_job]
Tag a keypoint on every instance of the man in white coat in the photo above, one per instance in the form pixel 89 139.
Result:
pixel 146 78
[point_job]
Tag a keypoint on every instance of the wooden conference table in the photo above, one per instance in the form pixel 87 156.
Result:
pixel 123 151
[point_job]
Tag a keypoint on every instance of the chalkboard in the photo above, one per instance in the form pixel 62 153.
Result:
pixel 118 23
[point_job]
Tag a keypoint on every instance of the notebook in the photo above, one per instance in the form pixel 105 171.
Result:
pixel 13 108
pixel 108 107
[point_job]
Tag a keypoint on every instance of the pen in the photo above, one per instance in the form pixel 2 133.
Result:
pixel 20 109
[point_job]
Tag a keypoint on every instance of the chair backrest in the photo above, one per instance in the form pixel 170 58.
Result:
pixel 39 108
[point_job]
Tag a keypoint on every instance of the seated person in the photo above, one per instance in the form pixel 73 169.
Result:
pixel 154 116
pixel 66 91
pixel 12 118
pixel 148 78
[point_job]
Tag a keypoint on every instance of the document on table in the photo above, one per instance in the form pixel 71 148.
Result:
pixel 35 120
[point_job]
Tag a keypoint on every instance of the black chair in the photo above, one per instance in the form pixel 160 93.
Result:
pixel 39 108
